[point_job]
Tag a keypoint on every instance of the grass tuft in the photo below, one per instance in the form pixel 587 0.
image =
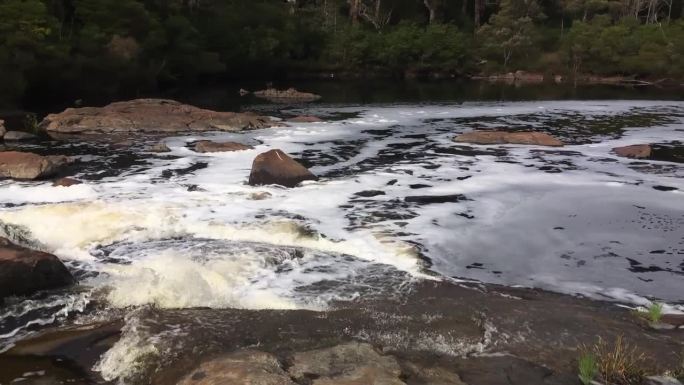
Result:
pixel 655 312
pixel 588 368
pixel 618 363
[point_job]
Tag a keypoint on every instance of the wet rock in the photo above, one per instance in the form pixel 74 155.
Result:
pixel 369 193
pixel 24 271
pixel 637 151
pixel 503 137
pixel 26 165
pixel 66 182
pixel 662 380
pixel 429 199
pixel 676 320
pixel 289 95
pixel 431 375
pixel 260 196
pixel 353 363
pixel 160 147
pixel 305 119
pixel 3 130
pixel 148 116
pixel 204 146
pixel 276 167
pixel 241 368
pixel 18 135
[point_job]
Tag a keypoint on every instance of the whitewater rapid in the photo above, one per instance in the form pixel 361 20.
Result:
pixel 398 200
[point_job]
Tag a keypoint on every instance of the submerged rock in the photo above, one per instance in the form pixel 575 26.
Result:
pixel 638 151
pixel 504 137
pixel 148 116
pixel 276 167
pixel 286 96
pixel 66 182
pixel 24 271
pixel 204 146
pixel 18 135
pixel 27 165
pixel 160 147
pixel 353 363
pixel 305 119
pixel 241 368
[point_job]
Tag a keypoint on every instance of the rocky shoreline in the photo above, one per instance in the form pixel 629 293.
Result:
pixel 438 333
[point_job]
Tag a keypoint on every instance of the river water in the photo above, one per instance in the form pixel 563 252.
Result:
pixel 397 201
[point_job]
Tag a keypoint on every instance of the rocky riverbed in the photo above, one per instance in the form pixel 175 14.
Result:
pixel 481 243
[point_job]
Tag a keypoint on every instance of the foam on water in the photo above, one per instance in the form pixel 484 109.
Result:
pixel 182 231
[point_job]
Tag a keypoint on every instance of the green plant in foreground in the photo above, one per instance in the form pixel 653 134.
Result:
pixel 588 368
pixel 655 312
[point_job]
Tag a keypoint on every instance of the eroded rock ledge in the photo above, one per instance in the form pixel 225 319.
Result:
pixel 148 116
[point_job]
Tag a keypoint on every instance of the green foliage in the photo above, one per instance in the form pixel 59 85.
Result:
pixel 655 312
pixel 588 368
pixel 78 49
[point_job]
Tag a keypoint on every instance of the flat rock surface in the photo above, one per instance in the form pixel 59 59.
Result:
pixel 204 146
pixel 18 135
pixel 241 368
pixel 26 165
pixel 24 271
pixel 148 116
pixel 286 96
pixel 504 137
pixel 638 151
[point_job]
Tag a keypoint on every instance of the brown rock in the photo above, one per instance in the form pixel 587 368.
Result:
pixel 66 182
pixel 260 196
pixel 24 271
pixel 503 137
pixel 348 364
pixel 204 146
pixel 305 119
pixel 676 320
pixel 241 368
pixel 159 148
pixel 148 116
pixel 18 135
pixel 26 165
pixel 276 167
pixel 286 96
pixel 638 151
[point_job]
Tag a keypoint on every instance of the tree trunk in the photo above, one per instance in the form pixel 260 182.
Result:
pixel 354 11
pixel 432 9
pixel 478 11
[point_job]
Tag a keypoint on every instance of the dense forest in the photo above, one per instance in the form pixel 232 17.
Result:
pixel 77 48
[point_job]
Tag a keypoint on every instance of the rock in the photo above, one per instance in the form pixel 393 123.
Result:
pixel 3 130
pixel 503 137
pixel 26 165
pixel 18 135
pixel 260 196
pixel 66 182
pixel 148 116
pixel 160 147
pixel 638 151
pixel 286 96
pixel 24 271
pixel 276 167
pixel 204 146
pixel 243 92
pixel 676 320
pixel 305 119
pixel 662 380
pixel 241 368
pixel 353 363
pixel 433 375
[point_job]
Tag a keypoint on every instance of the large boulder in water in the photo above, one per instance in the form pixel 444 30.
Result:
pixel 204 146
pixel 276 167
pixel 241 368
pixel 504 137
pixel 24 271
pixel 148 116
pixel 27 165
pixel 289 95
pixel 637 151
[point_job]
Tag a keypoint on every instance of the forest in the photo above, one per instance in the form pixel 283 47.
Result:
pixel 57 49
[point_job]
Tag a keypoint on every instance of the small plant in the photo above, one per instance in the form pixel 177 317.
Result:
pixel 31 123
pixel 588 368
pixel 655 312
pixel 620 363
